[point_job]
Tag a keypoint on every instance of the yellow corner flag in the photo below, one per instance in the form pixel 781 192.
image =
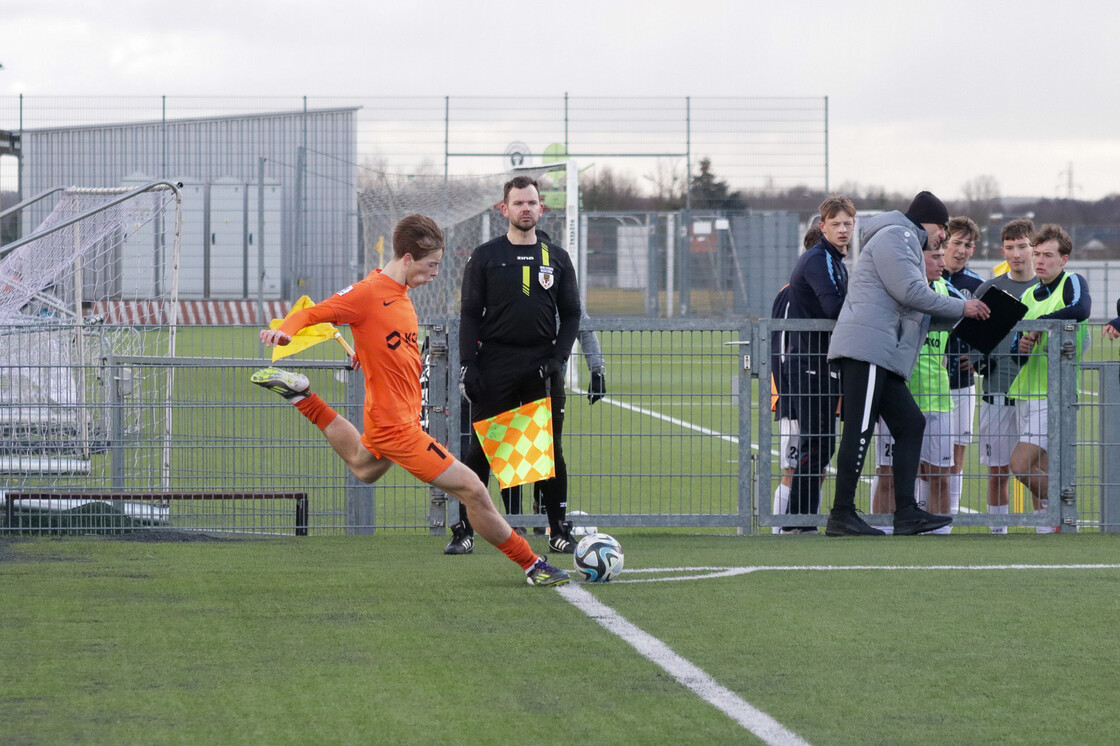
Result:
pixel 306 337
pixel 518 443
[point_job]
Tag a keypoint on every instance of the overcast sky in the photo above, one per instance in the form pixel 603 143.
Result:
pixel 921 94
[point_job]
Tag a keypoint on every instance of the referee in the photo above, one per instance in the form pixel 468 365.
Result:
pixel 519 318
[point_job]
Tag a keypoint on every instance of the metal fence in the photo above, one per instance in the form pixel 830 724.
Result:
pixel 1082 440
pixel 305 160
pixel 683 439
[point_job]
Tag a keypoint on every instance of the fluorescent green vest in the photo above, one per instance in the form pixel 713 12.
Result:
pixel 929 383
pixel 1032 378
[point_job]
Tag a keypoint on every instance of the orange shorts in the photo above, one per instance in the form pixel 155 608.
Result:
pixel 411 447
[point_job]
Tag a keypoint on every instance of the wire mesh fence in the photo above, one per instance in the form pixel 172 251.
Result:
pixel 685 437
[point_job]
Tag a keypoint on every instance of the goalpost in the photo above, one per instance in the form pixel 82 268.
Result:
pixel 93 286
pixel 467 208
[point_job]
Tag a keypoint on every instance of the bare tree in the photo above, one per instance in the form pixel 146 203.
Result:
pixel 982 198
pixel 668 184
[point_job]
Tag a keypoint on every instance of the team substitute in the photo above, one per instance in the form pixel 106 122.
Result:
pixel 518 319
pixel 1058 295
pixel 385 328
pixel 999 422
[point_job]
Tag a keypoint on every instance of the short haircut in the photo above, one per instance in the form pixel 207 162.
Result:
pixel 1054 232
pixel 964 225
pixel 520 182
pixel 417 235
pixel 812 236
pixel 1016 229
pixel 836 204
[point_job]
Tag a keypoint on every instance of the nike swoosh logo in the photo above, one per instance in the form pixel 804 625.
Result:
pixel 389 302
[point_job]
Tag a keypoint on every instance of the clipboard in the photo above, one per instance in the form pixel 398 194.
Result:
pixel 984 336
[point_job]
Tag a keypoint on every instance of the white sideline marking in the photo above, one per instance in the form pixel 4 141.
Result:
pixel 760 724
pixel 723 699
pixel 674 421
pixel 708 573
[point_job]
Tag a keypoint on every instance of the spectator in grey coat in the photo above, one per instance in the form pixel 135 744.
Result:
pixel 875 343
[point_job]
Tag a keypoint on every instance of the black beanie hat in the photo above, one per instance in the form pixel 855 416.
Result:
pixel 927 208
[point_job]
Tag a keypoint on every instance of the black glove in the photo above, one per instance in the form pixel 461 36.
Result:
pixel 551 367
pixel 470 382
pixel 598 388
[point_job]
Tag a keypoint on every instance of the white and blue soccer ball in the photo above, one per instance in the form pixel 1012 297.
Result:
pixel 598 558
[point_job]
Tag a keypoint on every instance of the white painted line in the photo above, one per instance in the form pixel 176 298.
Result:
pixel 708 573
pixel 760 724
pixel 674 421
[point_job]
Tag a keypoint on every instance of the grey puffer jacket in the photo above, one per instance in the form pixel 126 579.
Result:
pixel 886 314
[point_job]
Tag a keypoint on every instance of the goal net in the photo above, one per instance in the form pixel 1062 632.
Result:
pixel 83 298
pixel 468 210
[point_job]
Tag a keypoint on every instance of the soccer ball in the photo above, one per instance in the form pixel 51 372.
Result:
pixel 598 558
pixel 578 530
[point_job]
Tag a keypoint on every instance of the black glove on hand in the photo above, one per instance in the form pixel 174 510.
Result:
pixel 598 388
pixel 551 367
pixel 470 382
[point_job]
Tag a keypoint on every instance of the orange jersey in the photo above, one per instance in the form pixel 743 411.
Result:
pixel 383 321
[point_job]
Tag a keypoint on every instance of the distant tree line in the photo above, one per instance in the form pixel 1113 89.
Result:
pixel 1091 222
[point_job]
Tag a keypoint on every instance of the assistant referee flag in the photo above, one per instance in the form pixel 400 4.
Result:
pixel 518 443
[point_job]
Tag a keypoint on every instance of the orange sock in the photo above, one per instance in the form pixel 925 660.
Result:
pixel 518 550
pixel 315 409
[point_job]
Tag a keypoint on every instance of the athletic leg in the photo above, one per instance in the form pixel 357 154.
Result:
pixel 554 492
pixel 861 385
pixel 343 437
pixel 907 425
pixel 463 484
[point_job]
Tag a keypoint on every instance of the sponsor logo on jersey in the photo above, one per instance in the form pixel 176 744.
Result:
pixel 394 339
pixel 546 276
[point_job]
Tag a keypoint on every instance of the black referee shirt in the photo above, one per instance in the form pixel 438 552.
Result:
pixel 513 295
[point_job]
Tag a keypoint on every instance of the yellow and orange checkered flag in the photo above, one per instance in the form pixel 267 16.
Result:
pixel 518 443
pixel 307 337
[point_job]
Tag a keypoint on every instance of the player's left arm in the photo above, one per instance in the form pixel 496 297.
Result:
pixel 825 281
pixel 1075 296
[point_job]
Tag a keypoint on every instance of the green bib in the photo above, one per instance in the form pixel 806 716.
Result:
pixel 1032 378
pixel 929 383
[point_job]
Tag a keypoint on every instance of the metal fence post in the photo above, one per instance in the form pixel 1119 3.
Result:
pixel 747 347
pixel 1066 468
pixel 1110 447
pixel 116 421
pixel 361 503
pixel 439 416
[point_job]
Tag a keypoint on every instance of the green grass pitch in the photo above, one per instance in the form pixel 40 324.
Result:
pixel 386 640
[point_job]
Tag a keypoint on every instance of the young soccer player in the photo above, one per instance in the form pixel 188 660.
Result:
pixel 959 248
pixel 998 422
pixel 1058 295
pixel 384 323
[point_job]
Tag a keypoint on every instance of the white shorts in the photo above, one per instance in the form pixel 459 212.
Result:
pixel 999 432
pixel 964 410
pixel 884 445
pixel 1032 421
pixel 789 442
pixel 937 444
